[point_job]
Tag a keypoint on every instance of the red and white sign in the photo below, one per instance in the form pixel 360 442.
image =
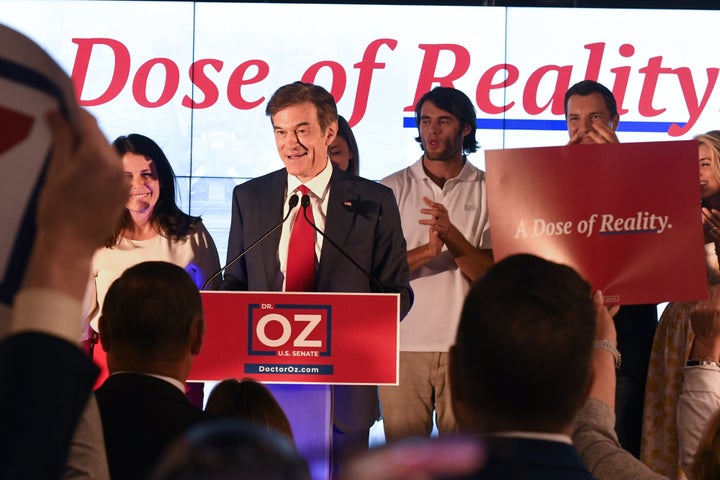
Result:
pixel 625 216
pixel 328 338
pixel 31 85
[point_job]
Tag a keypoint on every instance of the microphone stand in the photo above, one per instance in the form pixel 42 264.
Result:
pixel 305 203
pixel 292 203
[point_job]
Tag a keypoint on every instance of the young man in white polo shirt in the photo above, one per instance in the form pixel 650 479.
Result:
pixel 443 206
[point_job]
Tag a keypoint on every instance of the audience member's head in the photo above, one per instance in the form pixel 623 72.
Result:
pixel 344 149
pixel 152 320
pixel 521 359
pixel 456 103
pixel 231 449
pixel 251 401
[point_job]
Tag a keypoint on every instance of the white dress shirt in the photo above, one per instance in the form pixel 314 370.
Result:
pixel 319 187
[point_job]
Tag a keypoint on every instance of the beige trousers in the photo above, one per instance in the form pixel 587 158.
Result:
pixel 407 409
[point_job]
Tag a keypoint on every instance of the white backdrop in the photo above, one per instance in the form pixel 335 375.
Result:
pixel 376 60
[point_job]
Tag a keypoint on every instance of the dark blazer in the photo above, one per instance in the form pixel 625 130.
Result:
pixel 45 383
pixel 141 416
pixel 363 219
pixel 635 325
pixel 529 459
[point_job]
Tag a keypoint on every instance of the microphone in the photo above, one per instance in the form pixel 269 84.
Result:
pixel 305 203
pixel 292 203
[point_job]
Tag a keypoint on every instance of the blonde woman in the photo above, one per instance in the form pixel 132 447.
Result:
pixel 675 342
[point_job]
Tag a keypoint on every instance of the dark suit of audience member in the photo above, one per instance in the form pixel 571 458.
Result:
pixel 520 367
pixel 151 327
pixel 45 382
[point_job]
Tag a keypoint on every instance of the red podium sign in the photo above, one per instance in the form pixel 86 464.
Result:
pixel 274 337
pixel 626 216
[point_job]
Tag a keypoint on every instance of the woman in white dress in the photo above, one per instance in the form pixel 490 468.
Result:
pixel 152 228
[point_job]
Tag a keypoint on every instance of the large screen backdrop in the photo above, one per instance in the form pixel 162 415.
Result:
pixel 132 64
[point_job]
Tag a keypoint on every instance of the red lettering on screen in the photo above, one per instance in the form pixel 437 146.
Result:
pixel 542 93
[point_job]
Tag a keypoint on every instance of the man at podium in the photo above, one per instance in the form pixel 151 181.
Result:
pixel 344 236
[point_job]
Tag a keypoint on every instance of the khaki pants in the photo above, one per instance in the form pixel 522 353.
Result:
pixel 407 409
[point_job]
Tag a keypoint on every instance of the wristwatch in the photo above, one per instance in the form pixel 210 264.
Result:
pixel 609 347
pixel 703 363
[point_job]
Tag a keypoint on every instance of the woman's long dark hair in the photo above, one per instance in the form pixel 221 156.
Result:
pixel 346 132
pixel 166 216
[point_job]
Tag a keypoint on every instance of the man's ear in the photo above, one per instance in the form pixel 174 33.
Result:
pixel 331 133
pixel 197 332
pixel 104 334
pixel 614 123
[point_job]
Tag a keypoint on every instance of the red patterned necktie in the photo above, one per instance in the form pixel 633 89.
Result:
pixel 300 271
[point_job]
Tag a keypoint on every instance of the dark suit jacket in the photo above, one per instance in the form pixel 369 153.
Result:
pixel 141 416
pixel 635 325
pixel 529 459
pixel 363 219
pixel 45 383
